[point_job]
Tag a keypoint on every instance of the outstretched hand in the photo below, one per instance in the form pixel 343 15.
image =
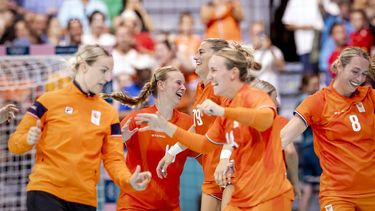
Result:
pixel 7 113
pixel 126 133
pixel 154 122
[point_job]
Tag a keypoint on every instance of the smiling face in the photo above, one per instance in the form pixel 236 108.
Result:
pixel 352 75
pixel 97 74
pixel 173 88
pixel 201 57
pixel 220 76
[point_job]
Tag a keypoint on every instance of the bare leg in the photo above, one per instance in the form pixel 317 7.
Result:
pixel 307 190
pixel 227 195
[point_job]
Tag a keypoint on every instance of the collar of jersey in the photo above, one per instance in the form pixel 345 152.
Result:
pixel 88 94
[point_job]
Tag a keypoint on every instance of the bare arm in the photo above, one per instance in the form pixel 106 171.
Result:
pixel 292 130
pixel 291 158
pixel 237 10
pixel 207 12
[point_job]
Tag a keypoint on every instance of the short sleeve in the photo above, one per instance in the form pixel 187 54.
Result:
pixel 216 133
pixel 308 111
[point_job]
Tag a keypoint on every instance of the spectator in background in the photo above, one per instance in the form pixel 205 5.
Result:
pixel 304 18
pixel 339 36
pixel 75 32
pixel 165 54
pixel 144 41
pixel 330 19
pixel 98 34
pixel 362 36
pixel 124 52
pixel 23 34
pixel 38 27
pixel 142 68
pixel 187 44
pixel 326 41
pixel 81 9
pixel 136 7
pixel 309 162
pixel 222 19
pixel 55 32
pixel 270 57
pixel 47 7
pixel 7 32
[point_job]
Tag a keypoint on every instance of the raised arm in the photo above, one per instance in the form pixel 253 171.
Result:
pixel 259 118
pixel 195 142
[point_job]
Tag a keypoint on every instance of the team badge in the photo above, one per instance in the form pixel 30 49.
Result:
pixel 68 110
pixel 360 107
pixel 95 117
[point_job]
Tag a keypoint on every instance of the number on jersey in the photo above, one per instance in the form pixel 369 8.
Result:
pixel 197 117
pixel 355 123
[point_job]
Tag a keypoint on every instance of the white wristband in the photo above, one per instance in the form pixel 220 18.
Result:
pixel 225 154
pixel 175 149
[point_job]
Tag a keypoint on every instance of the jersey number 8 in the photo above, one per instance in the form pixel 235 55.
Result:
pixel 355 123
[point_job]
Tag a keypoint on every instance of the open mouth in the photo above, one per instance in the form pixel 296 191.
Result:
pixel 354 84
pixel 179 94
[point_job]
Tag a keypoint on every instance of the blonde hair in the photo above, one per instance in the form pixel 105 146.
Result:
pixel 148 89
pixel 346 56
pixel 217 44
pixel 241 58
pixel 87 54
pixel 263 85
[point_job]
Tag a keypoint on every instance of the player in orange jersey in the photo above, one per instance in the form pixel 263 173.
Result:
pixel 342 119
pixel 260 177
pixel 223 171
pixel 212 194
pixel 147 148
pixel 7 112
pixel 73 130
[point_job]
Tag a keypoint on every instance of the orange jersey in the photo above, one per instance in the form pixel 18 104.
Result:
pixel 77 132
pixel 201 123
pixel 274 131
pixel 344 136
pixel 147 149
pixel 259 167
pixel 224 26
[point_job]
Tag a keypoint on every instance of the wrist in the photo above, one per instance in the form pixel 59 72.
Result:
pixel 225 154
pixel 175 149
pixel 221 111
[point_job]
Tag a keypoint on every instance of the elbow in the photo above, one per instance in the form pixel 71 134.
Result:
pixel 14 149
pixel 284 141
pixel 208 147
pixel 290 151
pixel 268 121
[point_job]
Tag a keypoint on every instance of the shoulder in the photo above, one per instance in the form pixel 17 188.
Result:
pixel 183 120
pixel 183 116
pixel 51 97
